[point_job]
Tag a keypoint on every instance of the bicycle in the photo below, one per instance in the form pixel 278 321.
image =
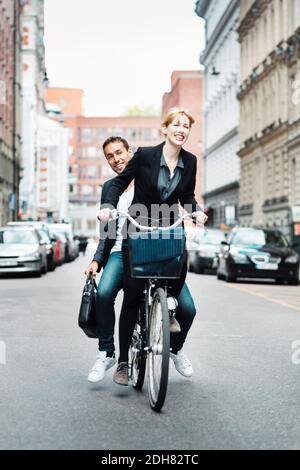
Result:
pixel 151 337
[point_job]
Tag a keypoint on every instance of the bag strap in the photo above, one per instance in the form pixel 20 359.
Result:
pixel 90 279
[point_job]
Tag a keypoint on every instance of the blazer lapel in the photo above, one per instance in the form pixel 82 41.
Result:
pixel 185 173
pixel 156 166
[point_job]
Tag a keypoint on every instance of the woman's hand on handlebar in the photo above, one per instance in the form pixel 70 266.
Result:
pixel 201 218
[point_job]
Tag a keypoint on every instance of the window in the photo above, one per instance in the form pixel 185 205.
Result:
pixel 86 134
pixel 91 224
pixel 102 133
pixel 131 134
pixel 77 224
pixel 91 171
pixel 147 134
pixel 86 189
pixel 91 152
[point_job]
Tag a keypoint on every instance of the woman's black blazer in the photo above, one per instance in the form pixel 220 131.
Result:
pixel 144 169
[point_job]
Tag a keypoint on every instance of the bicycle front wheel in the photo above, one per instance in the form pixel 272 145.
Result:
pixel 159 343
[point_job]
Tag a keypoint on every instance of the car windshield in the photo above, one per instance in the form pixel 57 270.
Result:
pixel 44 236
pixel 212 237
pixel 60 236
pixel 18 236
pixel 260 238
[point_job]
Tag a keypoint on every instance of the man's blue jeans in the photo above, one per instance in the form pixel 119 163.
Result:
pixel 110 284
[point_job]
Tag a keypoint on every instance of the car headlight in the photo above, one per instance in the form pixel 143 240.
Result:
pixel 292 259
pixel 239 258
pixel 201 253
pixel 30 256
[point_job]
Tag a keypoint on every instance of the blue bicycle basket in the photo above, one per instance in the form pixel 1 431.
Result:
pixel 158 254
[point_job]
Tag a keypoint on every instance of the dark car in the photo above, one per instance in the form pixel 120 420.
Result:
pixel 202 254
pixel 258 253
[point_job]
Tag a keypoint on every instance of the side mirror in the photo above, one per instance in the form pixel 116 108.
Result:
pixel 225 243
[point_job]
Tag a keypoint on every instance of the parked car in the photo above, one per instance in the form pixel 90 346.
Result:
pixel 203 251
pixel 71 248
pixel 258 253
pixel 46 238
pixel 82 242
pixel 22 250
pixel 61 246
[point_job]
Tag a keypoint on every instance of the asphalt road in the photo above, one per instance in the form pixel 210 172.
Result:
pixel 244 394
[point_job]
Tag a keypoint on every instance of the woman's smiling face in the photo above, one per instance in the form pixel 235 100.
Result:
pixel 177 132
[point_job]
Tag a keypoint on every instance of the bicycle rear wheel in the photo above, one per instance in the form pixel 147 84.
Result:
pixel 159 343
pixel 137 358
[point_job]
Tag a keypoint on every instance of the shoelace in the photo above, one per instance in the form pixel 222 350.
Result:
pixel 122 368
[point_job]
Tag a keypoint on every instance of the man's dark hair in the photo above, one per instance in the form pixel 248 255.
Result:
pixel 112 139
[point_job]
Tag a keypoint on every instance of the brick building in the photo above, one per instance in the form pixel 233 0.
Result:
pixel 10 108
pixel 186 93
pixel 68 101
pixel 88 169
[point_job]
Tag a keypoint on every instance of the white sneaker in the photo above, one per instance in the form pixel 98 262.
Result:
pixel 101 365
pixel 182 364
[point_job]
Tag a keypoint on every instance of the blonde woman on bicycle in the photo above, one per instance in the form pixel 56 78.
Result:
pixel 164 175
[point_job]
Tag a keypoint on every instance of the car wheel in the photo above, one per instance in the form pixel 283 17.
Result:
pixel 52 265
pixel 45 268
pixel 220 276
pixel 229 278
pixel 190 267
pixel 38 273
pixel 199 270
pixel 294 282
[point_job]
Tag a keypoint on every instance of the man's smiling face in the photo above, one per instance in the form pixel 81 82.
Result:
pixel 117 156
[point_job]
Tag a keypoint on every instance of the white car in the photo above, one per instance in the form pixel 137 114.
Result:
pixel 22 251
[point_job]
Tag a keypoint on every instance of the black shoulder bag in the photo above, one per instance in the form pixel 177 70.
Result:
pixel 87 312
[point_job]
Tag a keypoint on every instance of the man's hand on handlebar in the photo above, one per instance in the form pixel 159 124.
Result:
pixel 104 215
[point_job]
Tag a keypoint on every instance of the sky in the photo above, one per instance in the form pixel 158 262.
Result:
pixel 120 52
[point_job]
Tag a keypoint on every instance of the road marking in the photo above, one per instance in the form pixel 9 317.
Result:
pixel 227 336
pixel 265 297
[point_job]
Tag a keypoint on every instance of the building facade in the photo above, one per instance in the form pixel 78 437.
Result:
pixel 10 109
pixel 88 164
pixel 269 36
pixel 220 59
pixel 52 170
pixel 186 93
pixel 33 86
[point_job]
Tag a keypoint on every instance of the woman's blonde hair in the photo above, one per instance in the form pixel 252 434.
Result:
pixel 173 113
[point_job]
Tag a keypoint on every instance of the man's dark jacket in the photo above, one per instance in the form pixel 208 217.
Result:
pixel 105 243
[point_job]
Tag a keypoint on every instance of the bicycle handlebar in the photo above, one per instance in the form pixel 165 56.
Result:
pixel 115 213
